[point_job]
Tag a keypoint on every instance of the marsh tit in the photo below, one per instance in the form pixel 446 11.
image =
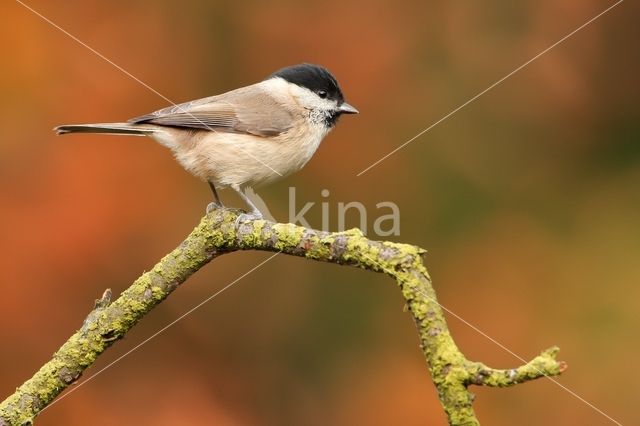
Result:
pixel 247 136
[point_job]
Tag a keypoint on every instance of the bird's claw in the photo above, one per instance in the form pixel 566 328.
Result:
pixel 213 206
pixel 245 217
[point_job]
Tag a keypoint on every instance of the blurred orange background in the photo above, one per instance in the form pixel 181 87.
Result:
pixel 527 199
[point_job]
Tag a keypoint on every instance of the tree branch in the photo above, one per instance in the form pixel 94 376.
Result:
pixel 217 234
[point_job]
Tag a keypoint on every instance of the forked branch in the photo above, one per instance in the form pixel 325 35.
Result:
pixel 217 234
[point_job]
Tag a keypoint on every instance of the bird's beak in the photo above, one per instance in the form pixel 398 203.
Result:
pixel 345 108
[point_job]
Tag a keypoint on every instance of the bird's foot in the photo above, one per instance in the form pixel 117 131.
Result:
pixel 245 217
pixel 213 206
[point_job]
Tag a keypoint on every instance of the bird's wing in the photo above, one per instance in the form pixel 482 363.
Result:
pixel 251 111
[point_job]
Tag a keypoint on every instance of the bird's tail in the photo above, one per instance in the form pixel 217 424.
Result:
pixel 106 128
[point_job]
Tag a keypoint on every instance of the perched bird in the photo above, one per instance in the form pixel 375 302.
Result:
pixel 247 136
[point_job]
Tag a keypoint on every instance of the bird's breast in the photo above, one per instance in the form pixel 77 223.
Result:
pixel 242 159
pixel 301 145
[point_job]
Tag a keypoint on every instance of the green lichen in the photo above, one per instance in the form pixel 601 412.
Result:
pixel 217 234
pixel 254 237
pixel 289 236
pixel 320 248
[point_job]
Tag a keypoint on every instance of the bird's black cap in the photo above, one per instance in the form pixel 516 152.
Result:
pixel 312 77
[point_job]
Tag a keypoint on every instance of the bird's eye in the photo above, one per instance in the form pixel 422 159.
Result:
pixel 322 94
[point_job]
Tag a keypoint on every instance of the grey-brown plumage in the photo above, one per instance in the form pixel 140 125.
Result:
pixel 246 136
pixel 244 110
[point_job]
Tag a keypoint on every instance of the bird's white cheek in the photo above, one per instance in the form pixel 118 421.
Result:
pixel 317 117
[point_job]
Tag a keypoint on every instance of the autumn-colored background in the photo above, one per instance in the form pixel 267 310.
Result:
pixel 528 201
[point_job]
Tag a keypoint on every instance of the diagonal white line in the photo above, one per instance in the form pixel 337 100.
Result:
pixel 127 73
pixel 154 335
pixel 362 172
pixel 490 87
pixel 77 40
pixel 509 351
pixel 503 347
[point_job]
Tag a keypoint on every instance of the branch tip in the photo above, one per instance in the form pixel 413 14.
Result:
pixel 104 301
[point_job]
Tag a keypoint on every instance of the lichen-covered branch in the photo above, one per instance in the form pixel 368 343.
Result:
pixel 218 233
pixel 543 365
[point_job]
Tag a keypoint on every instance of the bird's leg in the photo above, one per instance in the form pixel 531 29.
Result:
pixel 216 204
pixel 254 213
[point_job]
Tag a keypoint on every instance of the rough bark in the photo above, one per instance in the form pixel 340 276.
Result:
pixel 218 233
